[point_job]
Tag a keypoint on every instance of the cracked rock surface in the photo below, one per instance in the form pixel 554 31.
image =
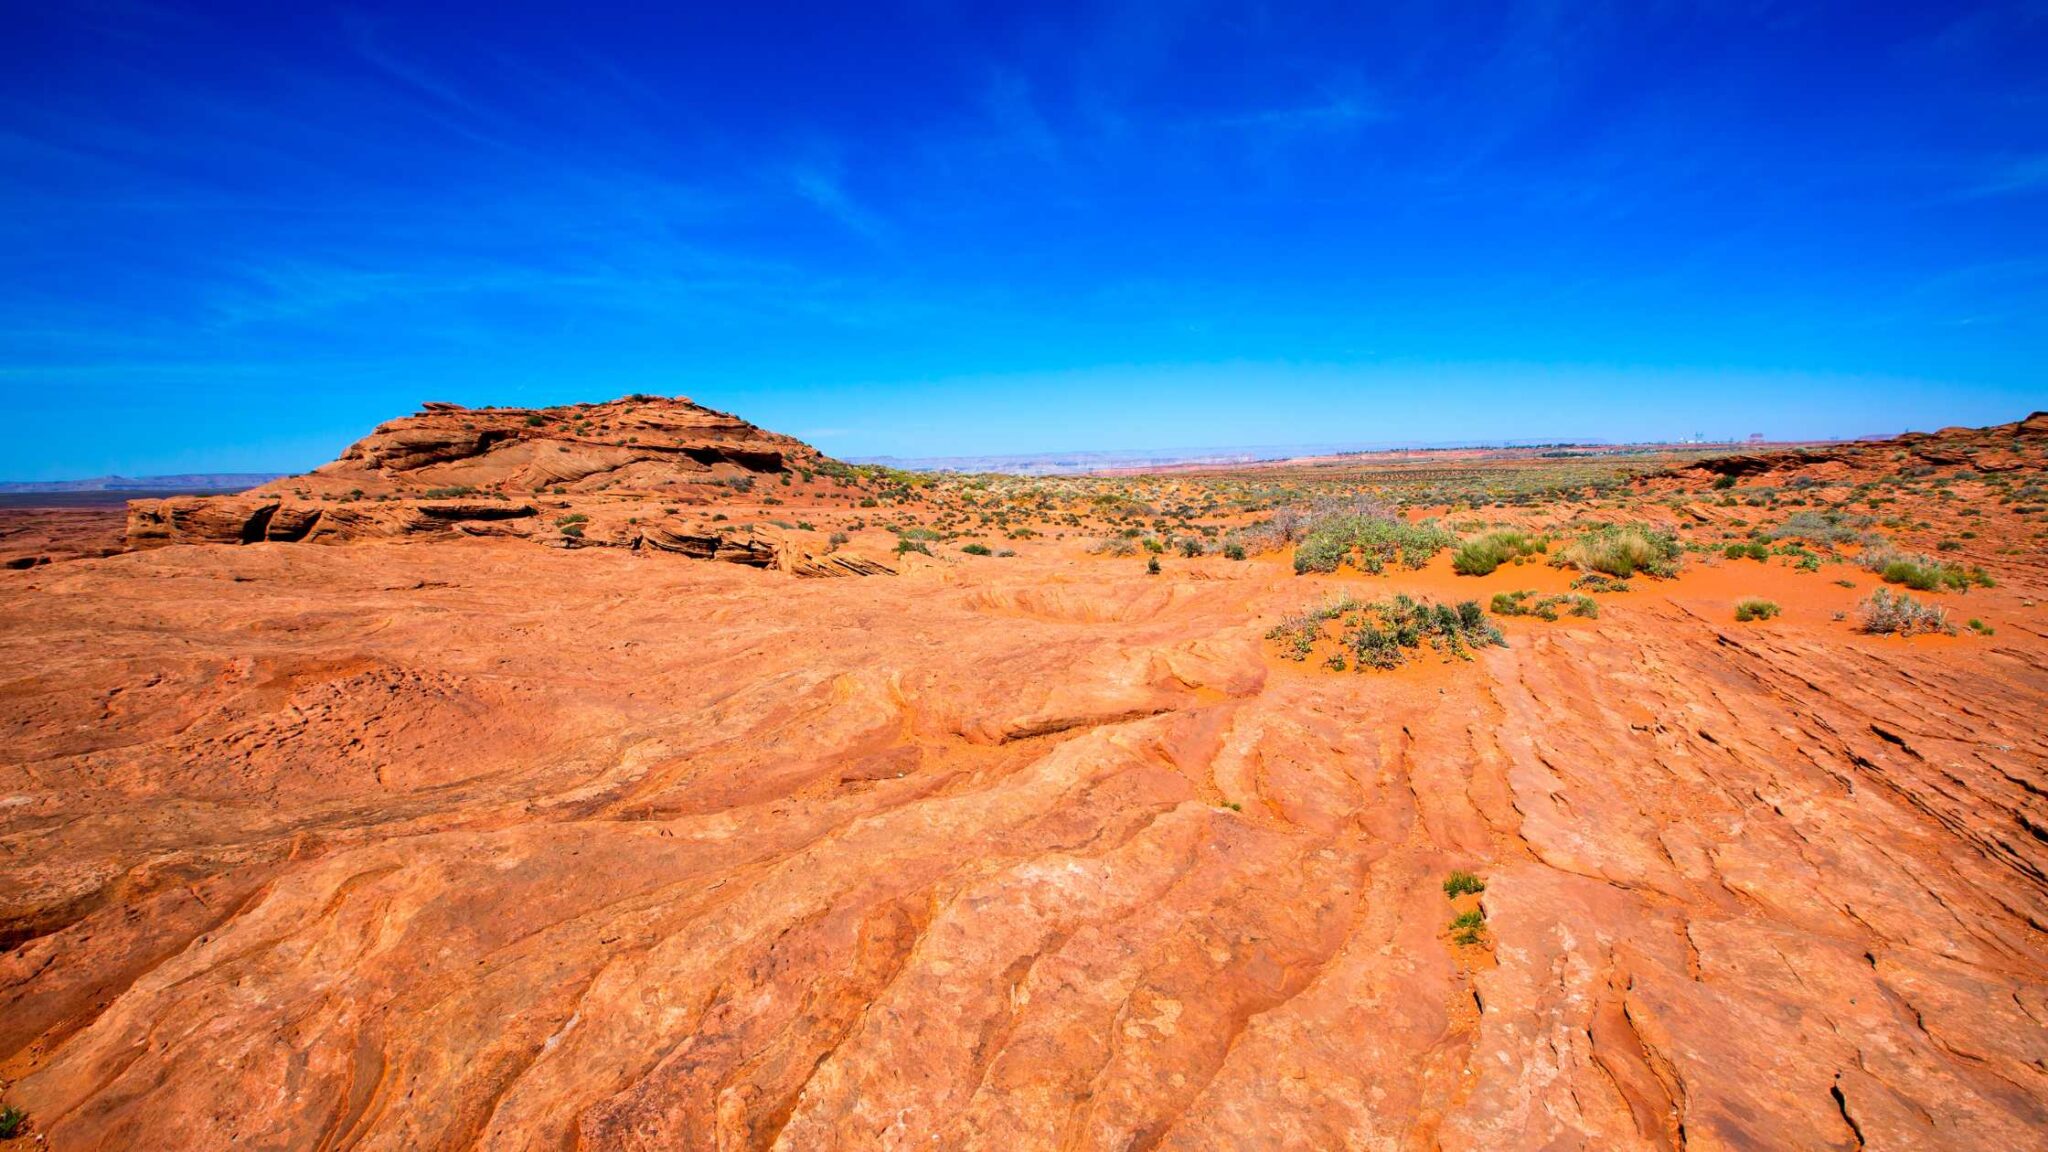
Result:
pixel 463 843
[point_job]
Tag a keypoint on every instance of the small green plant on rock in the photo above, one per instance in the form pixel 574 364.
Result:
pixel 1461 883
pixel 1466 927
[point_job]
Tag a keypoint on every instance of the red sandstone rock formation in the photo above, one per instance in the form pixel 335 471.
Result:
pixel 453 471
pixel 443 842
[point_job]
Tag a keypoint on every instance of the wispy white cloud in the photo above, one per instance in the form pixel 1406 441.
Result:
pixel 2023 177
pixel 1338 112
pixel 823 190
pixel 1010 105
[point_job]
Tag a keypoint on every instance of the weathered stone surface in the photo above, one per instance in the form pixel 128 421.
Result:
pixel 475 472
pixel 435 842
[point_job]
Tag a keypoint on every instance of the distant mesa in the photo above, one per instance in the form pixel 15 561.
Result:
pixel 643 473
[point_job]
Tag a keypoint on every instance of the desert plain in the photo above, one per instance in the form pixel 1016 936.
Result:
pixel 627 776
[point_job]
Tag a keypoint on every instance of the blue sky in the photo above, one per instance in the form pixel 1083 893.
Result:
pixel 236 236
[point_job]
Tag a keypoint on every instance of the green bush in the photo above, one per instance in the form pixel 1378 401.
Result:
pixel 1920 573
pixel 1751 608
pixel 1622 550
pixel 1466 926
pixel 1461 882
pixel 1380 634
pixel 975 549
pixel 12 1121
pixel 1518 603
pixel 1482 556
pixel 1751 550
pixel 1367 537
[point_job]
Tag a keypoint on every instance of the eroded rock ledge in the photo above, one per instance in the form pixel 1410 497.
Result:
pixel 639 473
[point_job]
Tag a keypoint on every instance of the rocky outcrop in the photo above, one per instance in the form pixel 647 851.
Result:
pixel 256 519
pixel 445 445
pixel 635 443
pixel 794 553
pixel 454 471
pixel 1999 448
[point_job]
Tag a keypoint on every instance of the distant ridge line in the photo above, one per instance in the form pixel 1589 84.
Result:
pixel 1060 463
pixel 210 481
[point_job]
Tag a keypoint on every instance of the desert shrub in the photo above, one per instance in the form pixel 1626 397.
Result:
pixel 1461 882
pixel 1284 527
pixel 1381 633
pixel 1980 627
pixel 1921 573
pixel 1751 608
pixel 1518 603
pixel 1233 550
pixel 1297 633
pixel 1466 926
pixel 1622 550
pixel 1887 613
pixel 1751 550
pixel 1597 582
pixel 903 546
pixel 1828 529
pixel 976 549
pixel 535 421
pixel 1002 553
pixel 1118 546
pixel 1480 557
pixel 1152 566
pixel 1368 541
pixel 12 1121
pixel 1723 483
pixel 837 539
